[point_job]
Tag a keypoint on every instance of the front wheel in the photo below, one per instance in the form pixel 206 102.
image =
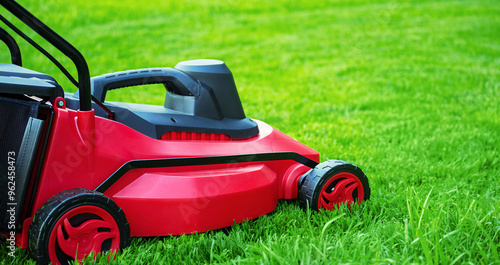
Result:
pixel 332 183
pixel 74 223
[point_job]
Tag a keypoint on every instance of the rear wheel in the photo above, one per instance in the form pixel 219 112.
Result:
pixel 74 223
pixel 332 183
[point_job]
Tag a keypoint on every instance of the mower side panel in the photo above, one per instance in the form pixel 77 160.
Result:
pixel 74 161
pixel 196 200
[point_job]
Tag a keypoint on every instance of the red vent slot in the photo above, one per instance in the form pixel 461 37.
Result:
pixel 195 136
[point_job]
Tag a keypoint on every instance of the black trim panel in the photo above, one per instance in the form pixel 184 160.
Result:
pixel 41 159
pixel 199 161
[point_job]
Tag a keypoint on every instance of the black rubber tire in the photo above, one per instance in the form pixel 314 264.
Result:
pixel 55 208
pixel 312 184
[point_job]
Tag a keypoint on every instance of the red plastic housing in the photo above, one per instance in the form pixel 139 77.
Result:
pixel 85 150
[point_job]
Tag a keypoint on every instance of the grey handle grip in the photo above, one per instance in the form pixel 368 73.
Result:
pixel 178 81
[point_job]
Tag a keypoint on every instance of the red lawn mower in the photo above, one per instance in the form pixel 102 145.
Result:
pixel 79 174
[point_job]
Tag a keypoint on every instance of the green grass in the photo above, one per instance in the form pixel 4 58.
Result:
pixel 407 91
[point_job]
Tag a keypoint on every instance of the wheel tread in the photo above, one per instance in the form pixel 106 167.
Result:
pixel 315 178
pixel 50 211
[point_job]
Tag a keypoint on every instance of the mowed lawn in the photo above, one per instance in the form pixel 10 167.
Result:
pixel 408 91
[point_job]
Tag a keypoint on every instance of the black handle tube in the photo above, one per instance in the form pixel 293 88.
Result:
pixel 15 52
pixel 61 44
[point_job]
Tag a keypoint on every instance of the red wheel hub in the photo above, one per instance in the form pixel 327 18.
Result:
pixel 83 230
pixel 343 187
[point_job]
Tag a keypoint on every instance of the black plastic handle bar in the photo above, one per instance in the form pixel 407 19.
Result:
pixel 61 44
pixel 15 52
pixel 178 81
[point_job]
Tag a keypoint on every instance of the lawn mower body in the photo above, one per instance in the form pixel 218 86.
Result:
pixel 176 183
pixel 82 174
pixel 173 186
